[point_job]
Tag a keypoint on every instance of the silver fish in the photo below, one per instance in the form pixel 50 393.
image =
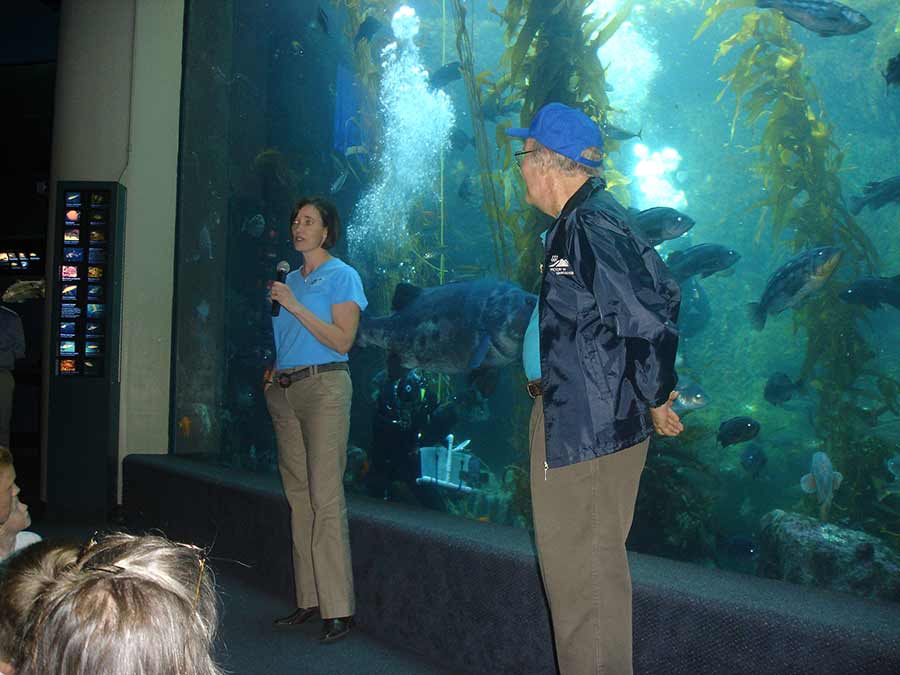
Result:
pixel 339 182
pixel 825 17
pixel 822 480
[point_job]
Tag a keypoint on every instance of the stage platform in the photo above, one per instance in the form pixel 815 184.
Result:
pixel 468 594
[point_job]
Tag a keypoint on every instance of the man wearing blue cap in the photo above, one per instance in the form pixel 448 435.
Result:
pixel 599 356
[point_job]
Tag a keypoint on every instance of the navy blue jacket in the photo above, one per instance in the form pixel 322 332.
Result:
pixel 607 311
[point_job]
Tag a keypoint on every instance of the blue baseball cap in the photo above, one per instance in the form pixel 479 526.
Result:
pixel 564 130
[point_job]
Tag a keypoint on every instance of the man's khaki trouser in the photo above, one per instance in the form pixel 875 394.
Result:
pixel 582 515
pixel 312 423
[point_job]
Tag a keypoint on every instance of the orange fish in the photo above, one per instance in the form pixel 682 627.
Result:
pixel 184 426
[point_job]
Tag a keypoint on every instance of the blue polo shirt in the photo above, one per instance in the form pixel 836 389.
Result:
pixel 531 346
pixel 332 283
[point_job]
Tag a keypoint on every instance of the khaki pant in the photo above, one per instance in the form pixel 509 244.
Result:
pixel 582 515
pixel 312 423
pixel 7 387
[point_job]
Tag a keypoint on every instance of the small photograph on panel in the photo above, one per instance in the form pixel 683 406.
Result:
pixel 72 235
pixel 92 348
pixel 73 216
pixel 98 237
pixel 100 198
pixel 95 292
pixel 72 254
pixel 69 311
pixel 67 348
pixel 69 272
pixel 96 311
pixel 73 199
pixel 68 367
pixel 95 273
pixel 67 329
pixel 98 218
pixel 94 329
pixel 70 292
pixel 97 255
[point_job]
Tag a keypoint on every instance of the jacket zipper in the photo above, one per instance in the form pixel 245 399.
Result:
pixel 546 466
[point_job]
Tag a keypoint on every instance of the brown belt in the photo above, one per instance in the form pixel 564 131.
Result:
pixel 286 378
pixel 534 388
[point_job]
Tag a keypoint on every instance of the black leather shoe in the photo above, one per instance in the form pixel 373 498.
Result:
pixel 335 629
pixel 302 615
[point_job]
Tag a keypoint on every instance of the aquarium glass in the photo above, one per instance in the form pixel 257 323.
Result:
pixel 756 149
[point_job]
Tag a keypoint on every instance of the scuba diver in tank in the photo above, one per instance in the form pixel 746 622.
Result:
pixel 408 416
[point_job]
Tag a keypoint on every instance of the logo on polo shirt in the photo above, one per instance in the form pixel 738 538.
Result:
pixel 560 266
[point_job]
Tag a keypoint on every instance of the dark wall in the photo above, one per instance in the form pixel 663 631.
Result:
pixel 28 41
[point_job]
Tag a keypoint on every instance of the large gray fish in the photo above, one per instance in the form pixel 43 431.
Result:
pixel 793 282
pixel 822 480
pixel 659 224
pixel 825 17
pixel 455 328
pixel 22 291
pixel 877 194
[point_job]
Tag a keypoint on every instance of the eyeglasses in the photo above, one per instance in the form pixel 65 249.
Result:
pixel 518 156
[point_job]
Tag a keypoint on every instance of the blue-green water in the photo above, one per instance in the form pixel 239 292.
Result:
pixel 279 102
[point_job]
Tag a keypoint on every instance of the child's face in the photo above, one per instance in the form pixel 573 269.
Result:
pixel 8 492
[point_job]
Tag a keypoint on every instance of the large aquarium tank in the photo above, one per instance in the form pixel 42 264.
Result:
pixel 757 146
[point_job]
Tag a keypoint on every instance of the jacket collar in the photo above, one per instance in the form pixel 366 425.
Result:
pixel 591 185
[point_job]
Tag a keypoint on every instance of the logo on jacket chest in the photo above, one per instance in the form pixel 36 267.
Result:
pixel 560 266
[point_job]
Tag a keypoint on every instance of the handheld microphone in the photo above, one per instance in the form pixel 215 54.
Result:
pixel 281 271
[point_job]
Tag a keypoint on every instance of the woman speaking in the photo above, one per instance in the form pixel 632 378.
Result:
pixel 308 397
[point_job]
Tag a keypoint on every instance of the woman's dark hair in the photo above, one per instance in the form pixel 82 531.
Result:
pixel 330 217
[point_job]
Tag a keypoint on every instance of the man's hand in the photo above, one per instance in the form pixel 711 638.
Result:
pixel 665 420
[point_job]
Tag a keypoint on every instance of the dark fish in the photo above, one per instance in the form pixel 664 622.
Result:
pixel 445 75
pixel 322 19
pixel 459 139
pixel 453 328
pixel 753 459
pixel 793 282
pixel 877 194
pixel 780 389
pixel 614 133
pixel 660 223
pixel 205 241
pixel 822 480
pixel 492 108
pixel 695 309
pixel 892 73
pixel 872 291
pixel 737 430
pixel 366 30
pixel 739 546
pixel 254 226
pixel 468 190
pixel 825 17
pixel 690 397
pixel 702 259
